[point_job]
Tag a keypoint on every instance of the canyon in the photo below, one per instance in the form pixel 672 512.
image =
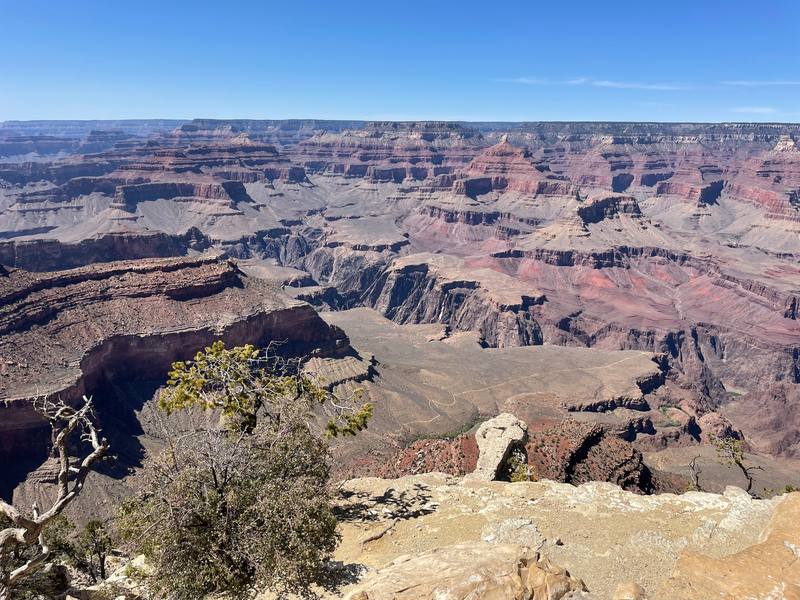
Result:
pixel 629 290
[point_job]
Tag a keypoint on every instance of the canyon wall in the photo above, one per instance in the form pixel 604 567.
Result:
pixel 70 333
pixel 676 239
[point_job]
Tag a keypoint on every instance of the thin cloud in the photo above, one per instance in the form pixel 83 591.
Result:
pixel 755 110
pixel 655 104
pixel 603 83
pixel 627 85
pixel 525 80
pixel 746 83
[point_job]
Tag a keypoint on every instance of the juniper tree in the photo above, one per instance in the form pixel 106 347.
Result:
pixel 244 505
pixel 730 451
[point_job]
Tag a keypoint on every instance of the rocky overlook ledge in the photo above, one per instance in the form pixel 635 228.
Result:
pixel 459 538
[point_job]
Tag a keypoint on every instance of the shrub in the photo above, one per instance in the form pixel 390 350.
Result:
pixel 245 505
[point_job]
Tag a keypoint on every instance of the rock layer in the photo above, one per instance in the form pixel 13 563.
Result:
pixel 69 333
pixel 466 571
pixel 677 239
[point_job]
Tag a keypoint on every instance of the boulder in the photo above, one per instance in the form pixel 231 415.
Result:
pixel 629 591
pixel 496 437
pixel 514 531
pixel 472 570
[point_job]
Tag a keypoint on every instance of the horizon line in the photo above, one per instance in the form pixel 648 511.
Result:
pixel 367 120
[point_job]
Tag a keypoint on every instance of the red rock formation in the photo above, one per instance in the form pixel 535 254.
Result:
pixel 391 151
pixel 771 181
pixel 505 167
pixel 576 452
pixel 454 457
pixel 571 452
pixel 676 238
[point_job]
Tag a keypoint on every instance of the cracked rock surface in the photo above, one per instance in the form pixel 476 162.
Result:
pixel 694 545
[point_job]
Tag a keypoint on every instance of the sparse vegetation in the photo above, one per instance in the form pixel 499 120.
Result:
pixel 450 435
pixel 787 489
pixel 91 549
pixel 516 467
pixel 244 505
pixel 247 383
pixel 667 420
pixel 730 451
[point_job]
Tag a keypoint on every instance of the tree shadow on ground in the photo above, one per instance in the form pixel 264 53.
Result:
pixel 366 507
pixel 338 575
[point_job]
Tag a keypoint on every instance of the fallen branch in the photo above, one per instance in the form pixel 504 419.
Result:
pixel 380 534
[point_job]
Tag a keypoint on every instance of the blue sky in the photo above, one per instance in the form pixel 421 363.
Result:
pixel 704 60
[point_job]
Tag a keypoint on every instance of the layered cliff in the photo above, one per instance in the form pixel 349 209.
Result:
pixel 54 255
pixel 391 152
pixel 507 167
pixel 69 333
pixel 677 239
pixel 436 290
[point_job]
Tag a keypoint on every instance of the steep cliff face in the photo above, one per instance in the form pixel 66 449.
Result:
pixel 54 255
pixel 420 289
pixel 417 292
pixel 225 191
pixel 70 333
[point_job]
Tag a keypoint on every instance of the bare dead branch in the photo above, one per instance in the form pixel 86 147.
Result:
pixel 380 534
pixel 64 421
